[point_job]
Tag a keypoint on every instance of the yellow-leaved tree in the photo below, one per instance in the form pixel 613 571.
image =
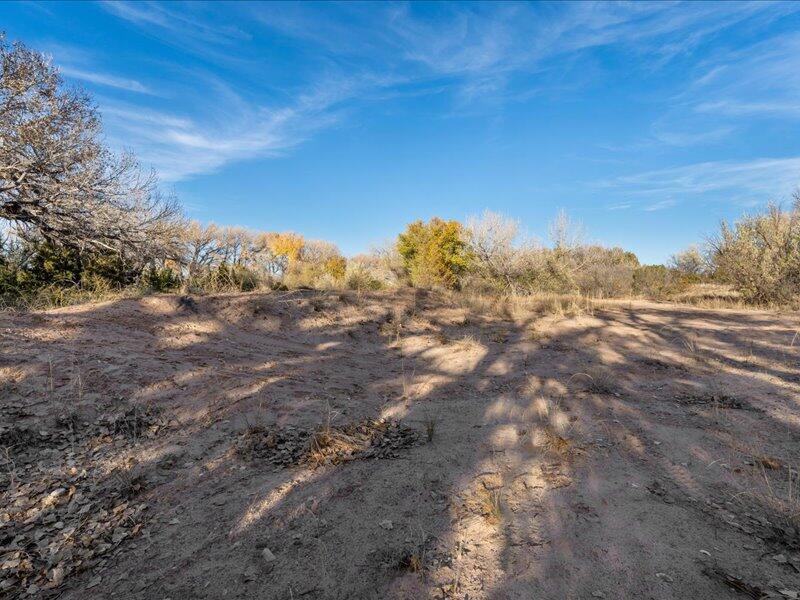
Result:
pixel 435 253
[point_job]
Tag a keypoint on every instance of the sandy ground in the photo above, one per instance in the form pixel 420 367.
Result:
pixel 638 451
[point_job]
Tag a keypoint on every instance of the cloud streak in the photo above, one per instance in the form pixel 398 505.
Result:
pixel 130 85
pixel 183 146
pixel 481 55
pixel 742 182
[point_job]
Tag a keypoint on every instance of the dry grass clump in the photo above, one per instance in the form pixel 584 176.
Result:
pixel 692 349
pixel 327 444
pixel 481 305
pixel 560 305
pixel 411 556
pixel 53 296
pixel 513 307
pixel 490 504
pixel 363 439
pixel 710 295
pixel 532 333
pixel 598 380
pixel 467 342
pixel 767 494
pixel 774 486
pixel 411 562
pixel 783 495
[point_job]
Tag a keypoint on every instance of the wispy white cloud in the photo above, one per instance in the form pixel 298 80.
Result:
pixel 182 146
pixel 107 80
pixel 741 182
pixel 179 22
pixel 200 29
pixel 760 79
pixel 678 127
pixel 497 53
pixel 484 55
pixel 660 205
pixel 736 108
pixel 512 37
pixel 730 89
pixel 620 206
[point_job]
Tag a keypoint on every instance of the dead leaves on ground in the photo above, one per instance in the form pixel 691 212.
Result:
pixel 290 446
pixel 61 513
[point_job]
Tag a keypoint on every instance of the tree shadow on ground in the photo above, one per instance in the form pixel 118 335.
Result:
pixel 602 455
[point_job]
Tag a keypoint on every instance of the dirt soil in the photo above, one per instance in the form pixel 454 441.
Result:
pixel 397 445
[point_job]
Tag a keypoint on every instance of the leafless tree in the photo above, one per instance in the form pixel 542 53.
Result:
pixel 58 180
pixel 318 251
pixel 491 241
pixel 565 234
pixel 201 246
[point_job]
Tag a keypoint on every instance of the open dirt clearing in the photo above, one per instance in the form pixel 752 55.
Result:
pixel 394 445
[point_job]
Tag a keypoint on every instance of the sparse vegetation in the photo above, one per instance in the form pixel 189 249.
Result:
pixel 478 443
pixel 598 380
pixel 490 503
pixel 760 255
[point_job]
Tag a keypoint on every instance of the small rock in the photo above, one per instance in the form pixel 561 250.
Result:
pixel 57 576
pixel 267 555
pixel 794 594
pixel 780 559
pixel 706 552
pixel 598 594
pixel 386 524
pixel 665 577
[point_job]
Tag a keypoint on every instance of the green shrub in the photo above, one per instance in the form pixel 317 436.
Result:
pixel 45 274
pixel 161 279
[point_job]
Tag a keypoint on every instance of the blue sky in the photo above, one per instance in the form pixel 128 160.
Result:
pixel 647 122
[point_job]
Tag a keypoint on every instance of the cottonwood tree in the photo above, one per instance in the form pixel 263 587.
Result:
pixel 57 179
pixel 202 247
pixel 435 253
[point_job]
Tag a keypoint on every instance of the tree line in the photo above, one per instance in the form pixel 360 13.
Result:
pixel 78 219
